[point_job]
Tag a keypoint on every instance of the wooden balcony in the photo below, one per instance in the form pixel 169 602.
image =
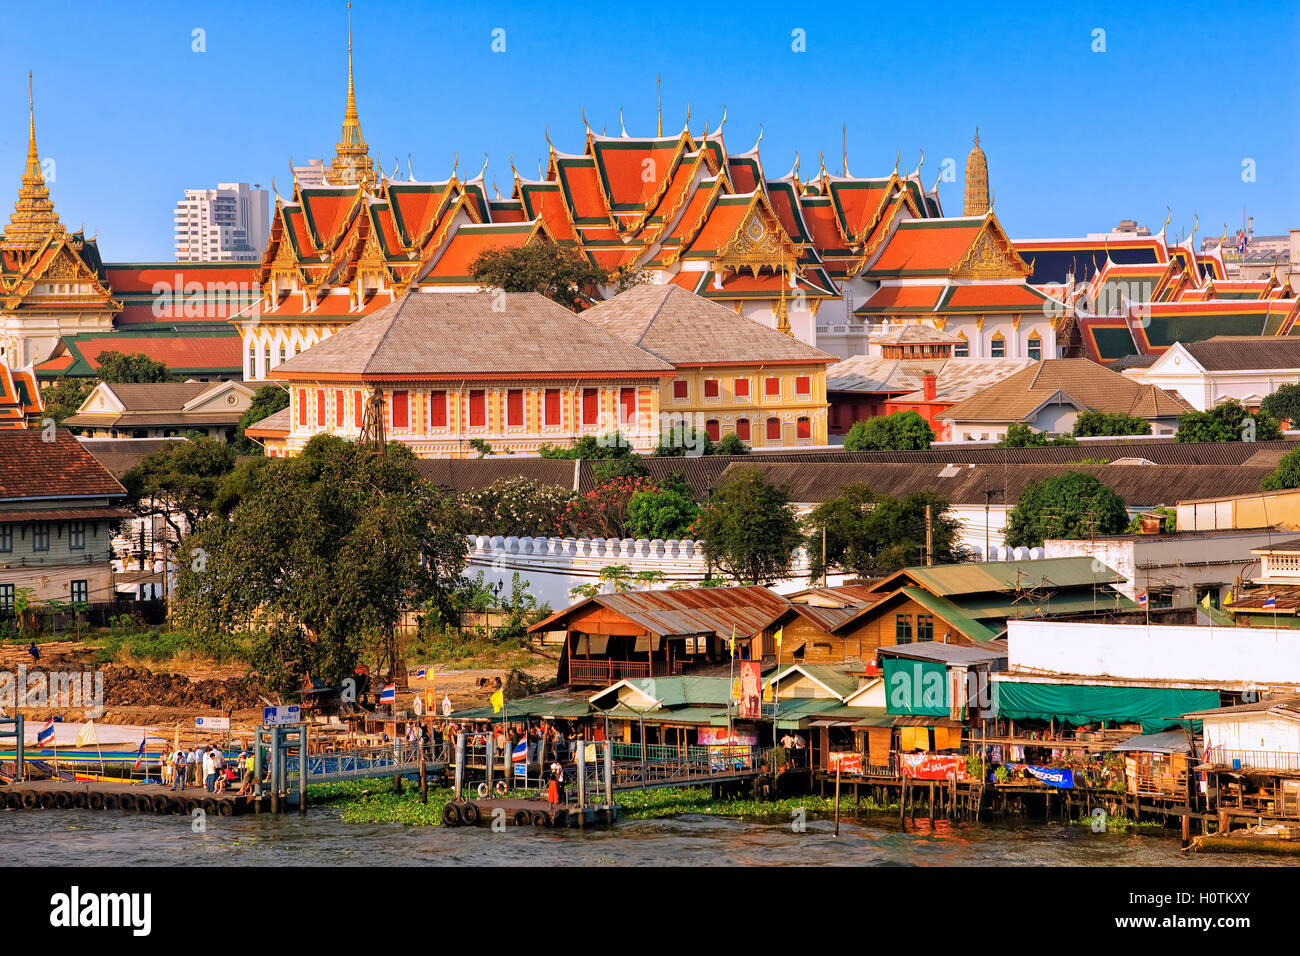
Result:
pixel 602 672
pixel 1268 761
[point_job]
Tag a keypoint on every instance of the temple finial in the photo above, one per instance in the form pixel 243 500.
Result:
pixel 352 163
pixel 659 97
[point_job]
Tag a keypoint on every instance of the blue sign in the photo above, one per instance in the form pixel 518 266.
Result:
pixel 290 714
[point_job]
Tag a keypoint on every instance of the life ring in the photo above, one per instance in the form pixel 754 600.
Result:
pixel 450 815
pixel 481 789
pixel 541 819
pixel 521 818
pixel 470 814
pixel 500 787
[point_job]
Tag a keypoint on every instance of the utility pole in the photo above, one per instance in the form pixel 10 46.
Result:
pixel 825 582
pixel 988 496
pixel 929 539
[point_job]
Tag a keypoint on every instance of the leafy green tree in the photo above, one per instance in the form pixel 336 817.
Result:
pixel 1020 435
pixel 1286 475
pixel 731 444
pixel 562 276
pixel 1283 404
pixel 242 481
pixel 267 400
pixel 1228 421
pixel 1072 505
pixel 179 482
pixel 321 560
pixel 64 397
pixel 514 506
pixel 481 446
pixel 901 431
pixel 1110 423
pixel 611 445
pixel 873 534
pixel 684 440
pixel 661 514
pixel 114 367
pixel 749 528
pixel 607 469
pixel 1169 514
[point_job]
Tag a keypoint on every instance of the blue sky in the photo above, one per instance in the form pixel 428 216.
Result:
pixel 1076 139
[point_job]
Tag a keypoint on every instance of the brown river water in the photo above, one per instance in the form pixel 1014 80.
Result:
pixel 72 837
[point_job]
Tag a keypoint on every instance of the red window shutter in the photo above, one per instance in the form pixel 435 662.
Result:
pixel 742 388
pixel 438 410
pixel 302 406
pixel 477 408
pixel 774 429
pixel 338 408
pixel 803 428
pixel 358 409
pixel 711 429
pixel 590 406
pixel 742 429
pixel 320 407
pixel 627 405
pixel 681 388
pixel 803 385
pixel 553 407
pixel 515 406
pixel 401 409
pixel 773 386
pixel 710 388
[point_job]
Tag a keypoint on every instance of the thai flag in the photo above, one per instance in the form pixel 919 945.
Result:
pixel 1270 603
pixel 47 732
pixel 139 755
pixel 388 695
pixel 420 674
pixel 519 758
pixel 1142 599
pixel 1243 240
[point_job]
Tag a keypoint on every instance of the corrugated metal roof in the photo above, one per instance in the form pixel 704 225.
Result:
pixel 953 614
pixel 949 653
pixel 686 611
pixel 982 577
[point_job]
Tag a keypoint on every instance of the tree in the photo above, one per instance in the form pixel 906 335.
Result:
pixel 481 446
pixel 1286 475
pixel 872 535
pixel 748 528
pixel 1110 423
pixel 562 276
pixel 179 482
pixel 514 506
pixel 603 511
pixel 267 400
pixel 612 445
pixel 114 367
pixel 901 431
pixel 1283 404
pixel 684 440
pixel 661 513
pixel 1072 505
pixel 321 560
pixel 1228 421
pixel 730 444
pixel 64 397
pixel 1020 435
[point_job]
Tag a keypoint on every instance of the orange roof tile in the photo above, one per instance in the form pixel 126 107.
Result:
pixel 920 246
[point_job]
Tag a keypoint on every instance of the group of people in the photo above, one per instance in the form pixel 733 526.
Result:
pixel 794 748
pixel 208 767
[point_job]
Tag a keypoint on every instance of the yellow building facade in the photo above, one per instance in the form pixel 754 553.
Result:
pixel 766 406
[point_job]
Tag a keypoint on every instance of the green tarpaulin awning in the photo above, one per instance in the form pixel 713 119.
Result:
pixel 1155 708
pixel 916 687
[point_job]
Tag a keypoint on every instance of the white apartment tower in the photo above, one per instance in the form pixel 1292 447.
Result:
pixel 228 224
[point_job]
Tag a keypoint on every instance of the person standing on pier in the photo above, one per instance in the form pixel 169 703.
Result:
pixel 179 769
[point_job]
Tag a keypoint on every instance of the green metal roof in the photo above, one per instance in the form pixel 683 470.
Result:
pixel 953 614
pixel 700 716
pixel 975 577
pixel 982 607
pixel 839 682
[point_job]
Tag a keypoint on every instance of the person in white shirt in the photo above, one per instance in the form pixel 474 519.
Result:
pixel 209 770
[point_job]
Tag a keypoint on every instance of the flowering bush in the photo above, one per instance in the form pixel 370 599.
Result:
pixel 515 506
pixel 603 511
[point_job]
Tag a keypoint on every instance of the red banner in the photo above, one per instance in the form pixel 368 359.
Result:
pixel 930 767
pixel 846 762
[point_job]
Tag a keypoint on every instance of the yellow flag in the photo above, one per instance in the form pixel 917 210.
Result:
pixel 1227 599
pixel 498 701
pixel 590 754
pixel 767 693
pixel 87 737
pixel 735 689
pixel 778 636
pixel 1205 601
pixel 733 641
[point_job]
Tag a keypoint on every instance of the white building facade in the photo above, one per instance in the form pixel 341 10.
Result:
pixel 228 224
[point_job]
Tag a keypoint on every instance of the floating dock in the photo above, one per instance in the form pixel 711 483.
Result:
pixel 524 813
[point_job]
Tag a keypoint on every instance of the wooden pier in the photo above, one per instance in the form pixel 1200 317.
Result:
pixel 524 813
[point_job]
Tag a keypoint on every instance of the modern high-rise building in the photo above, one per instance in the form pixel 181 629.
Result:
pixel 314 175
pixel 228 224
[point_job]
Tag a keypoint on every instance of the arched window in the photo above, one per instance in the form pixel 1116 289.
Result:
pixel 742 429
pixel 266 356
pixel 997 346
pixel 803 427
pixel 961 348
pixel 252 360
pixel 774 429
pixel 1034 347
pixel 282 352
pixel 712 430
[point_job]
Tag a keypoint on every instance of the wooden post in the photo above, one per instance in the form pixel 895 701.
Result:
pixel 1187 830
pixel 424 779
pixel 609 774
pixel 302 771
pixel 460 764
pixel 582 777
pixel 837 798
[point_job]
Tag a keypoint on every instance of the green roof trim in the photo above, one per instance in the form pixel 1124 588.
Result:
pixel 954 615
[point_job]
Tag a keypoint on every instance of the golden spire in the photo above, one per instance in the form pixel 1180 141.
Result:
pixel 34 218
pixel 352 164
pixel 977 181
pixel 659 96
